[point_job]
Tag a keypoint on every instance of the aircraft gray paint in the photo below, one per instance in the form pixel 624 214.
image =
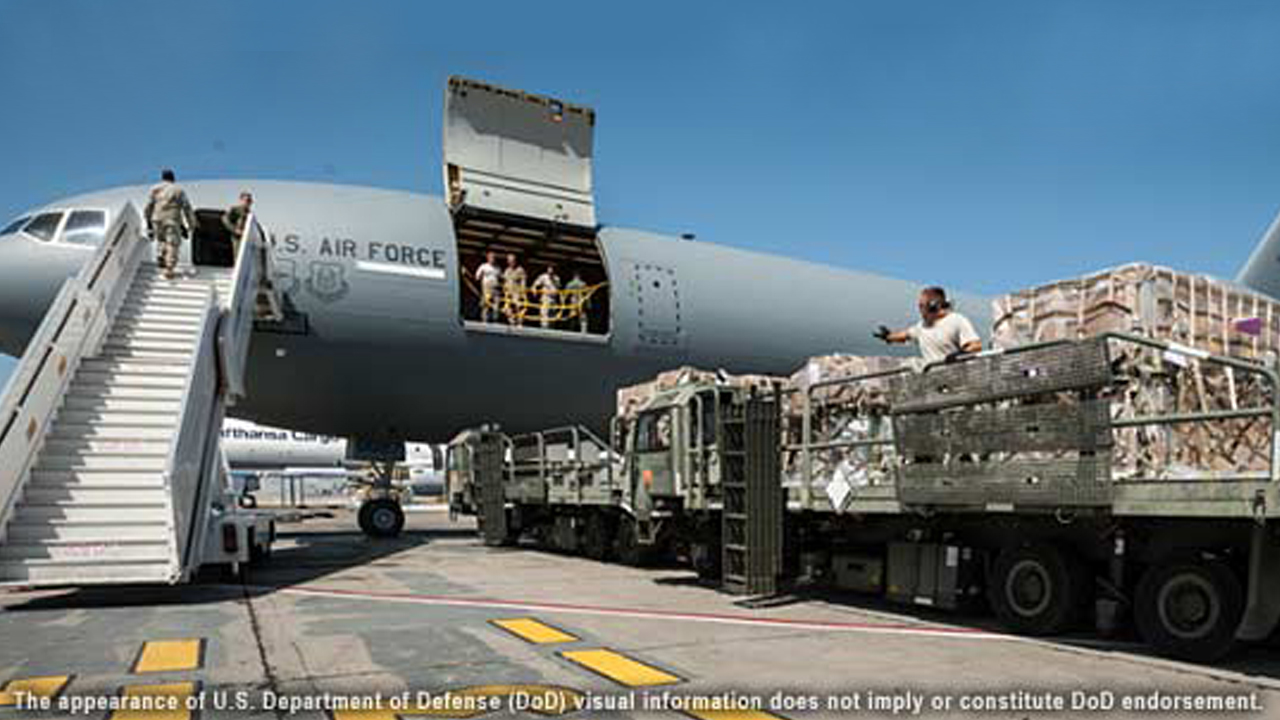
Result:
pixel 377 346
pixel 386 355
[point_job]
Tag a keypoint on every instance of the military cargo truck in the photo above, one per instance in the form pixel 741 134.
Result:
pixel 1055 483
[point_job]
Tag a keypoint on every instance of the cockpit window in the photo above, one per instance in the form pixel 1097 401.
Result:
pixel 13 226
pixel 85 227
pixel 43 226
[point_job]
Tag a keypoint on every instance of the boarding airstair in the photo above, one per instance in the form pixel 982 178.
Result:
pixel 110 465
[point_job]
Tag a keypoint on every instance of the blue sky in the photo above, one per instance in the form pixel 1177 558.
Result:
pixel 980 145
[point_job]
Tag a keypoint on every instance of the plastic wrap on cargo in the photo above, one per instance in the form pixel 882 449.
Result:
pixel 1200 312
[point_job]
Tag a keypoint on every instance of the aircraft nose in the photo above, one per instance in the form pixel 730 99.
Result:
pixel 31 272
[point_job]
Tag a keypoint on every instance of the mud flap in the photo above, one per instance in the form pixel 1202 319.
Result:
pixel 1262 608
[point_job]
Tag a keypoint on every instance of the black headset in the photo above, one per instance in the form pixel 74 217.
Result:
pixel 937 299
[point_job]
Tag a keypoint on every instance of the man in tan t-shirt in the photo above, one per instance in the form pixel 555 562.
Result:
pixel 941 334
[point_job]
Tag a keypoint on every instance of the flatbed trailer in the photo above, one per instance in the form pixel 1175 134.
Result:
pixel 1052 482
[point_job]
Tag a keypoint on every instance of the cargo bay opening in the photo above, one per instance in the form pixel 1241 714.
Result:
pixel 517 172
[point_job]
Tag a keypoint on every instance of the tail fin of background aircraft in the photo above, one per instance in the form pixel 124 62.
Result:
pixel 1262 270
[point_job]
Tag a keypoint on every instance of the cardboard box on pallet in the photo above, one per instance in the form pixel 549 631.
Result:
pixel 1214 315
pixel 1197 311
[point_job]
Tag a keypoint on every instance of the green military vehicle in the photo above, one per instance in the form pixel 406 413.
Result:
pixel 1116 478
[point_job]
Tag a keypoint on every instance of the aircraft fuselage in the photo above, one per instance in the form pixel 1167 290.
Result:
pixel 376 347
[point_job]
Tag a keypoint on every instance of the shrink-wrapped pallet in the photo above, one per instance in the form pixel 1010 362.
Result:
pixel 632 398
pixel 1217 316
pixel 1204 313
pixel 839 413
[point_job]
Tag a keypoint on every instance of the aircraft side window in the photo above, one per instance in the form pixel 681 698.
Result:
pixel 43 226
pixel 85 227
pixel 14 226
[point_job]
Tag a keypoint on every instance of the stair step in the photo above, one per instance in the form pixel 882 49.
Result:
pixel 146 323
pixel 78 402
pixel 174 287
pixel 88 572
pixel 129 335
pixel 160 315
pixel 75 431
pixel 104 479
pixel 35 514
pixel 58 531
pixel 120 367
pixel 162 345
pixel 143 355
pixel 135 305
pixel 107 448
pixel 123 463
pixel 78 551
pixel 115 419
pixel 118 379
pixel 125 391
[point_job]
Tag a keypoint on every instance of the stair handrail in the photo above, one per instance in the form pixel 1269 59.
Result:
pixel 73 327
pixel 237 328
pixel 186 462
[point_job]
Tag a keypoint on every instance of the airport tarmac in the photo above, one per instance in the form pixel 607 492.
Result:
pixel 334 618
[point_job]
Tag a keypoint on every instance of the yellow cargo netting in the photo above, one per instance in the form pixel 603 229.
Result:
pixel 565 304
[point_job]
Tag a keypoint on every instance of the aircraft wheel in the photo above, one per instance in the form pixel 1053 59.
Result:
pixel 382 518
pixel 1038 589
pixel 1189 609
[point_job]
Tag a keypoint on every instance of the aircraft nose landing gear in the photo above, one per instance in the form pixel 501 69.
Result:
pixel 381 514
pixel 381 517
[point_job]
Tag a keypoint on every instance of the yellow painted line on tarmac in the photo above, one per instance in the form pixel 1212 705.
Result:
pixel 732 715
pixel 48 686
pixel 620 668
pixel 156 702
pixel 170 656
pixel 534 631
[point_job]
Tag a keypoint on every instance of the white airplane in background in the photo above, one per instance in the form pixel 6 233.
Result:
pixel 269 453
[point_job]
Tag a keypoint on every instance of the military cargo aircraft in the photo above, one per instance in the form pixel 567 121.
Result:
pixel 383 336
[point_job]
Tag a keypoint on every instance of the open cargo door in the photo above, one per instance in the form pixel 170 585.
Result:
pixel 516 153
pixel 517 170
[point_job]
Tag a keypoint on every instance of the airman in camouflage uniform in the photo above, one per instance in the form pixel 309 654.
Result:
pixel 167 210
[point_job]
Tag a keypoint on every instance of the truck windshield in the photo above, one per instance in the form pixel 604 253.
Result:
pixel 653 431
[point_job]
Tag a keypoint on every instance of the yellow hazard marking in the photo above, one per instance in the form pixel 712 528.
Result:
pixel 620 668
pixel 169 656
pixel 534 631
pixel 732 715
pixel 157 702
pixel 48 686
pixel 473 701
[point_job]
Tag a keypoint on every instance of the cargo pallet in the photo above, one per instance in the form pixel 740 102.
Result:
pixel 1028 480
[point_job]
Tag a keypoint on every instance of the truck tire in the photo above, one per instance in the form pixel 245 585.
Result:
pixel 381 518
pixel 1038 589
pixel 628 549
pixel 598 537
pixel 1189 609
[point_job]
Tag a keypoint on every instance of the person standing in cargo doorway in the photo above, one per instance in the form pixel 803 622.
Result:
pixel 234 220
pixel 547 285
pixel 941 334
pixel 489 277
pixel 514 281
pixel 167 210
